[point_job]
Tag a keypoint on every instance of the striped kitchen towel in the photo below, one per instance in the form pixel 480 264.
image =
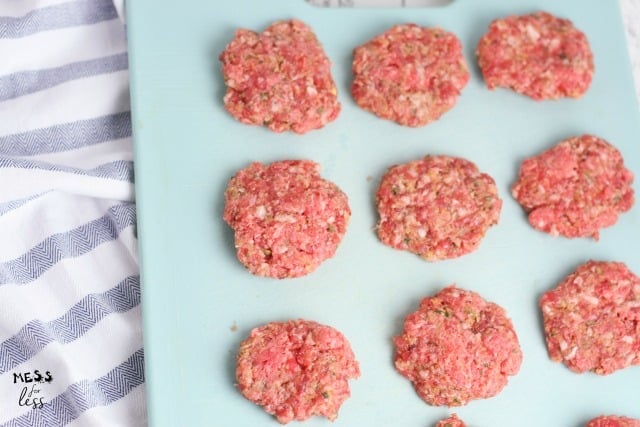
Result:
pixel 70 328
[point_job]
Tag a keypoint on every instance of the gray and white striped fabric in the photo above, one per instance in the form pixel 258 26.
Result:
pixel 70 329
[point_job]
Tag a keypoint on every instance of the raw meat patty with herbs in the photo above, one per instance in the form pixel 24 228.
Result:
pixel 296 369
pixel 409 74
pixel 280 78
pixel 613 421
pixel 438 207
pixel 457 347
pixel 286 218
pixel 452 421
pixel 592 318
pixel 538 55
pixel 575 188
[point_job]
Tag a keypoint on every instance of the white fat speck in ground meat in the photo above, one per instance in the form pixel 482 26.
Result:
pixel 538 55
pixel 457 347
pixel 452 421
pixel 592 318
pixel 280 78
pixel 296 369
pixel 575 188
pixel 286 218
pixel 409 74
pixel 438 207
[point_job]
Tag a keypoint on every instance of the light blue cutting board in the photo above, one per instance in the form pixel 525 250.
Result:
pixel 199 302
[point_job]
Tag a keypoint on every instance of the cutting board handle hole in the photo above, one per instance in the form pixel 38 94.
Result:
pixel 379 3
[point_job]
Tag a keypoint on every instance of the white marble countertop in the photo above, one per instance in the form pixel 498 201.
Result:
pixel 631 14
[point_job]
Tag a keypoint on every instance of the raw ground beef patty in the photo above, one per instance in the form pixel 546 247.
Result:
pixel 452 421
pixel 457 347
pixel 280 78
pixel 409 74
pixel 592 318
pixel 575 188
pixel 296 369
pixel 286 218
pixel 438 207
pixel 613 421
pixel 538 55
